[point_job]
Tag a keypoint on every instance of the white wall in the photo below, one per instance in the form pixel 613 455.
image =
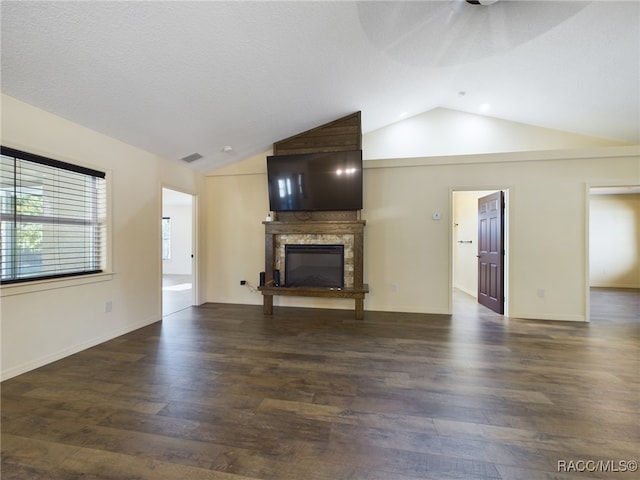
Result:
pixel 181 238
pixel 614 241
pixel 58 318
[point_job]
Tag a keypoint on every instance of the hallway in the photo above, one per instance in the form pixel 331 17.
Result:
pixel 177 293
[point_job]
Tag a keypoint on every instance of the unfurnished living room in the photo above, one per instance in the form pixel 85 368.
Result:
pixel 320 240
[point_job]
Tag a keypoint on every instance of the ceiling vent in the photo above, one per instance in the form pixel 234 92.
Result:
pixel 191 158
pixel 481 2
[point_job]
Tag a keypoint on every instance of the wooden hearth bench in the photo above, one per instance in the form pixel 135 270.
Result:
pixel 356 293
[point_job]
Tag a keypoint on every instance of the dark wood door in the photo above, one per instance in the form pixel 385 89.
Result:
pixel 491 251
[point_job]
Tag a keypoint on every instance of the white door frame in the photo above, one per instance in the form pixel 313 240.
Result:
pixel 194 242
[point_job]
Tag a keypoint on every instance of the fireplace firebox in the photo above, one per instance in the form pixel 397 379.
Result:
pixel 314 266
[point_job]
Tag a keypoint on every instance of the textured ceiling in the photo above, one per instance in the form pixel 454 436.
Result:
pixel 175 78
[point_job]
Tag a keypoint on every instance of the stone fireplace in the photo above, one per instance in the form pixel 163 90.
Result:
pixel 343 229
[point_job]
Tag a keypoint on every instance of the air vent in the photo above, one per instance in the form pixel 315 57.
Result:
pixel 191 158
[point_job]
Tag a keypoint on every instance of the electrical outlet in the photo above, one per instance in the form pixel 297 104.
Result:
pixel 243 282
pixel 108 306
pixel 394 287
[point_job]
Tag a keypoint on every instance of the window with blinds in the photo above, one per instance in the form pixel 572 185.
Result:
pixel 52 217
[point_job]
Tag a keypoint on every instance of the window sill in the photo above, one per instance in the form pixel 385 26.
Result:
pixel 52 284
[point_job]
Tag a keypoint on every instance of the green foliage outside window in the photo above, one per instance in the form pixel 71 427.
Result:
pixel 29 235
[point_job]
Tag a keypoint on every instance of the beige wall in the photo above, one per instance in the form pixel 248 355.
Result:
pixel 614 241
pixel 237 200
pixel 442 131
pixel 465 229
pixel 53 319
pixel 406 248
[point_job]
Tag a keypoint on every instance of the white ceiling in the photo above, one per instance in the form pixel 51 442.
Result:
pixel 176 78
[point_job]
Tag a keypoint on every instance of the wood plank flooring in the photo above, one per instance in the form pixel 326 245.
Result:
pixel 222 392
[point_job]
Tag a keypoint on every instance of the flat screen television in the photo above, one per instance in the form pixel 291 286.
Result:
pixel 315 181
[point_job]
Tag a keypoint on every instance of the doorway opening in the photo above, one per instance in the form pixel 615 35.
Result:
pixel 178 291
pixel 614 252
pixel 465 238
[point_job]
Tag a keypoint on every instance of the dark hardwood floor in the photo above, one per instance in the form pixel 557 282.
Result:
pixel 222 392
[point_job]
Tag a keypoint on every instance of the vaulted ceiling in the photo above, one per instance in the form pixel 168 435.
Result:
pixel 227 79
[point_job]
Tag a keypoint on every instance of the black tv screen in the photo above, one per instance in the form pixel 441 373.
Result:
pixel 315 181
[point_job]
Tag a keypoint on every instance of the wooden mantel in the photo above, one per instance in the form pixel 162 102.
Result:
pixel 291 226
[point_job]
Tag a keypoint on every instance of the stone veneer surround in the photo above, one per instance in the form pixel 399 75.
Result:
pixel 316 239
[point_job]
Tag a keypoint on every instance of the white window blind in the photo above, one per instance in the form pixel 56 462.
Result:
pixel 53 218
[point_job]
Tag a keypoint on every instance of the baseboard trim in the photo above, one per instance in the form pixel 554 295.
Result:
pixel 54 357
pixel 612 285
pixel 548 317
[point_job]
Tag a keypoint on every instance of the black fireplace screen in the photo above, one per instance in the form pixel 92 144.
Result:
pixel 314 266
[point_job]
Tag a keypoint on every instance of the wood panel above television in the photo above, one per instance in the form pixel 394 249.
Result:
pixel 340 135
